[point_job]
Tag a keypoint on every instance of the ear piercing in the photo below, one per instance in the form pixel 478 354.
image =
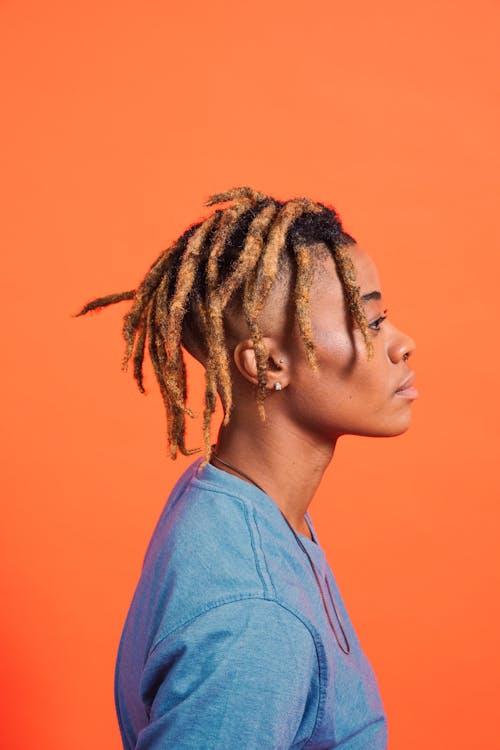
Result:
pixel 277 386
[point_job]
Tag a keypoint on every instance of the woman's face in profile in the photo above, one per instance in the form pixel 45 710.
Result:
pixel 351 394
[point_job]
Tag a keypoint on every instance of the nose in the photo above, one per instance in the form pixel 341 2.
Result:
pixel 401 346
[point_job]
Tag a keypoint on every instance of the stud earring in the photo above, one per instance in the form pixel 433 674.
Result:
pixel 277 386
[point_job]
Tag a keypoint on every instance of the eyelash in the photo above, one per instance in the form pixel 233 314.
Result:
pixel 375 325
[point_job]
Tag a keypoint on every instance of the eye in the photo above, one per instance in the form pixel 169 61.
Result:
pixel 375 325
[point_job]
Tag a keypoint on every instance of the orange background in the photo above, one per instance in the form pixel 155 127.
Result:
pixel 119 120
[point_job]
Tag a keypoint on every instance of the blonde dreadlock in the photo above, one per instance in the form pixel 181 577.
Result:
pixel 237 247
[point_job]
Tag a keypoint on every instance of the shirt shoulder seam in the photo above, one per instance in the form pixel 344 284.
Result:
pixel 316 638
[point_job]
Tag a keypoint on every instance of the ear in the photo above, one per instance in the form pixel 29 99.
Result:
pixel 277 362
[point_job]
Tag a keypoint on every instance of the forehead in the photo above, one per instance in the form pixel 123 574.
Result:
pixel 366 273
pixel 366 270
pixel 326 298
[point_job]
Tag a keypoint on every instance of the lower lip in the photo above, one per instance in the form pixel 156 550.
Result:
pixel 407 392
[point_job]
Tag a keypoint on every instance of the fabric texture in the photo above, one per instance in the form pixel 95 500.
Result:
pixel 227 643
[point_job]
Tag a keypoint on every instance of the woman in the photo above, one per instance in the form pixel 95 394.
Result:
pixel 237 636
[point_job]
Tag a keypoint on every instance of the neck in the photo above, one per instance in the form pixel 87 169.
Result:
pixel 286 464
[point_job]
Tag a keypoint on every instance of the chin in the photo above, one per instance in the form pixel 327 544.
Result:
pixel 393 433
pixel 393 430
pixel 390 428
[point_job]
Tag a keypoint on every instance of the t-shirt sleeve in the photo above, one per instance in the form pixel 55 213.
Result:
pixel 244 674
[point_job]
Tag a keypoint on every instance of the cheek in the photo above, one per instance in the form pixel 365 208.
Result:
pixel 348 384
pixel 342 357
pixel 345 379
pixel 334 344
pixel 318 397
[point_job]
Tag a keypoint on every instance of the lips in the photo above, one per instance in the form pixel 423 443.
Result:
pixel 407 383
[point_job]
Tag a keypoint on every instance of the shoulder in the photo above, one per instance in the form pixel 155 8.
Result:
pixel 204 551
pixel 203 524
pixel 248 670
pixel 217 544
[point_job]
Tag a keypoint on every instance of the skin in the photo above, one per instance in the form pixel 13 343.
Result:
pixel 288 454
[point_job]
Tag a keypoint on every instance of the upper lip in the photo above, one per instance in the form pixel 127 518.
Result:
pixel 407 383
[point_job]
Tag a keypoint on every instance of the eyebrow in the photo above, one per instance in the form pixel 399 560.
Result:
pixel 371 295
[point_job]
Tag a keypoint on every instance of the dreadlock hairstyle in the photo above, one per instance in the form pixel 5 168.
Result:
pixel 186 290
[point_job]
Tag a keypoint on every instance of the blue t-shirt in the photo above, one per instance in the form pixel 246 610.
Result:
pixel 227 644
